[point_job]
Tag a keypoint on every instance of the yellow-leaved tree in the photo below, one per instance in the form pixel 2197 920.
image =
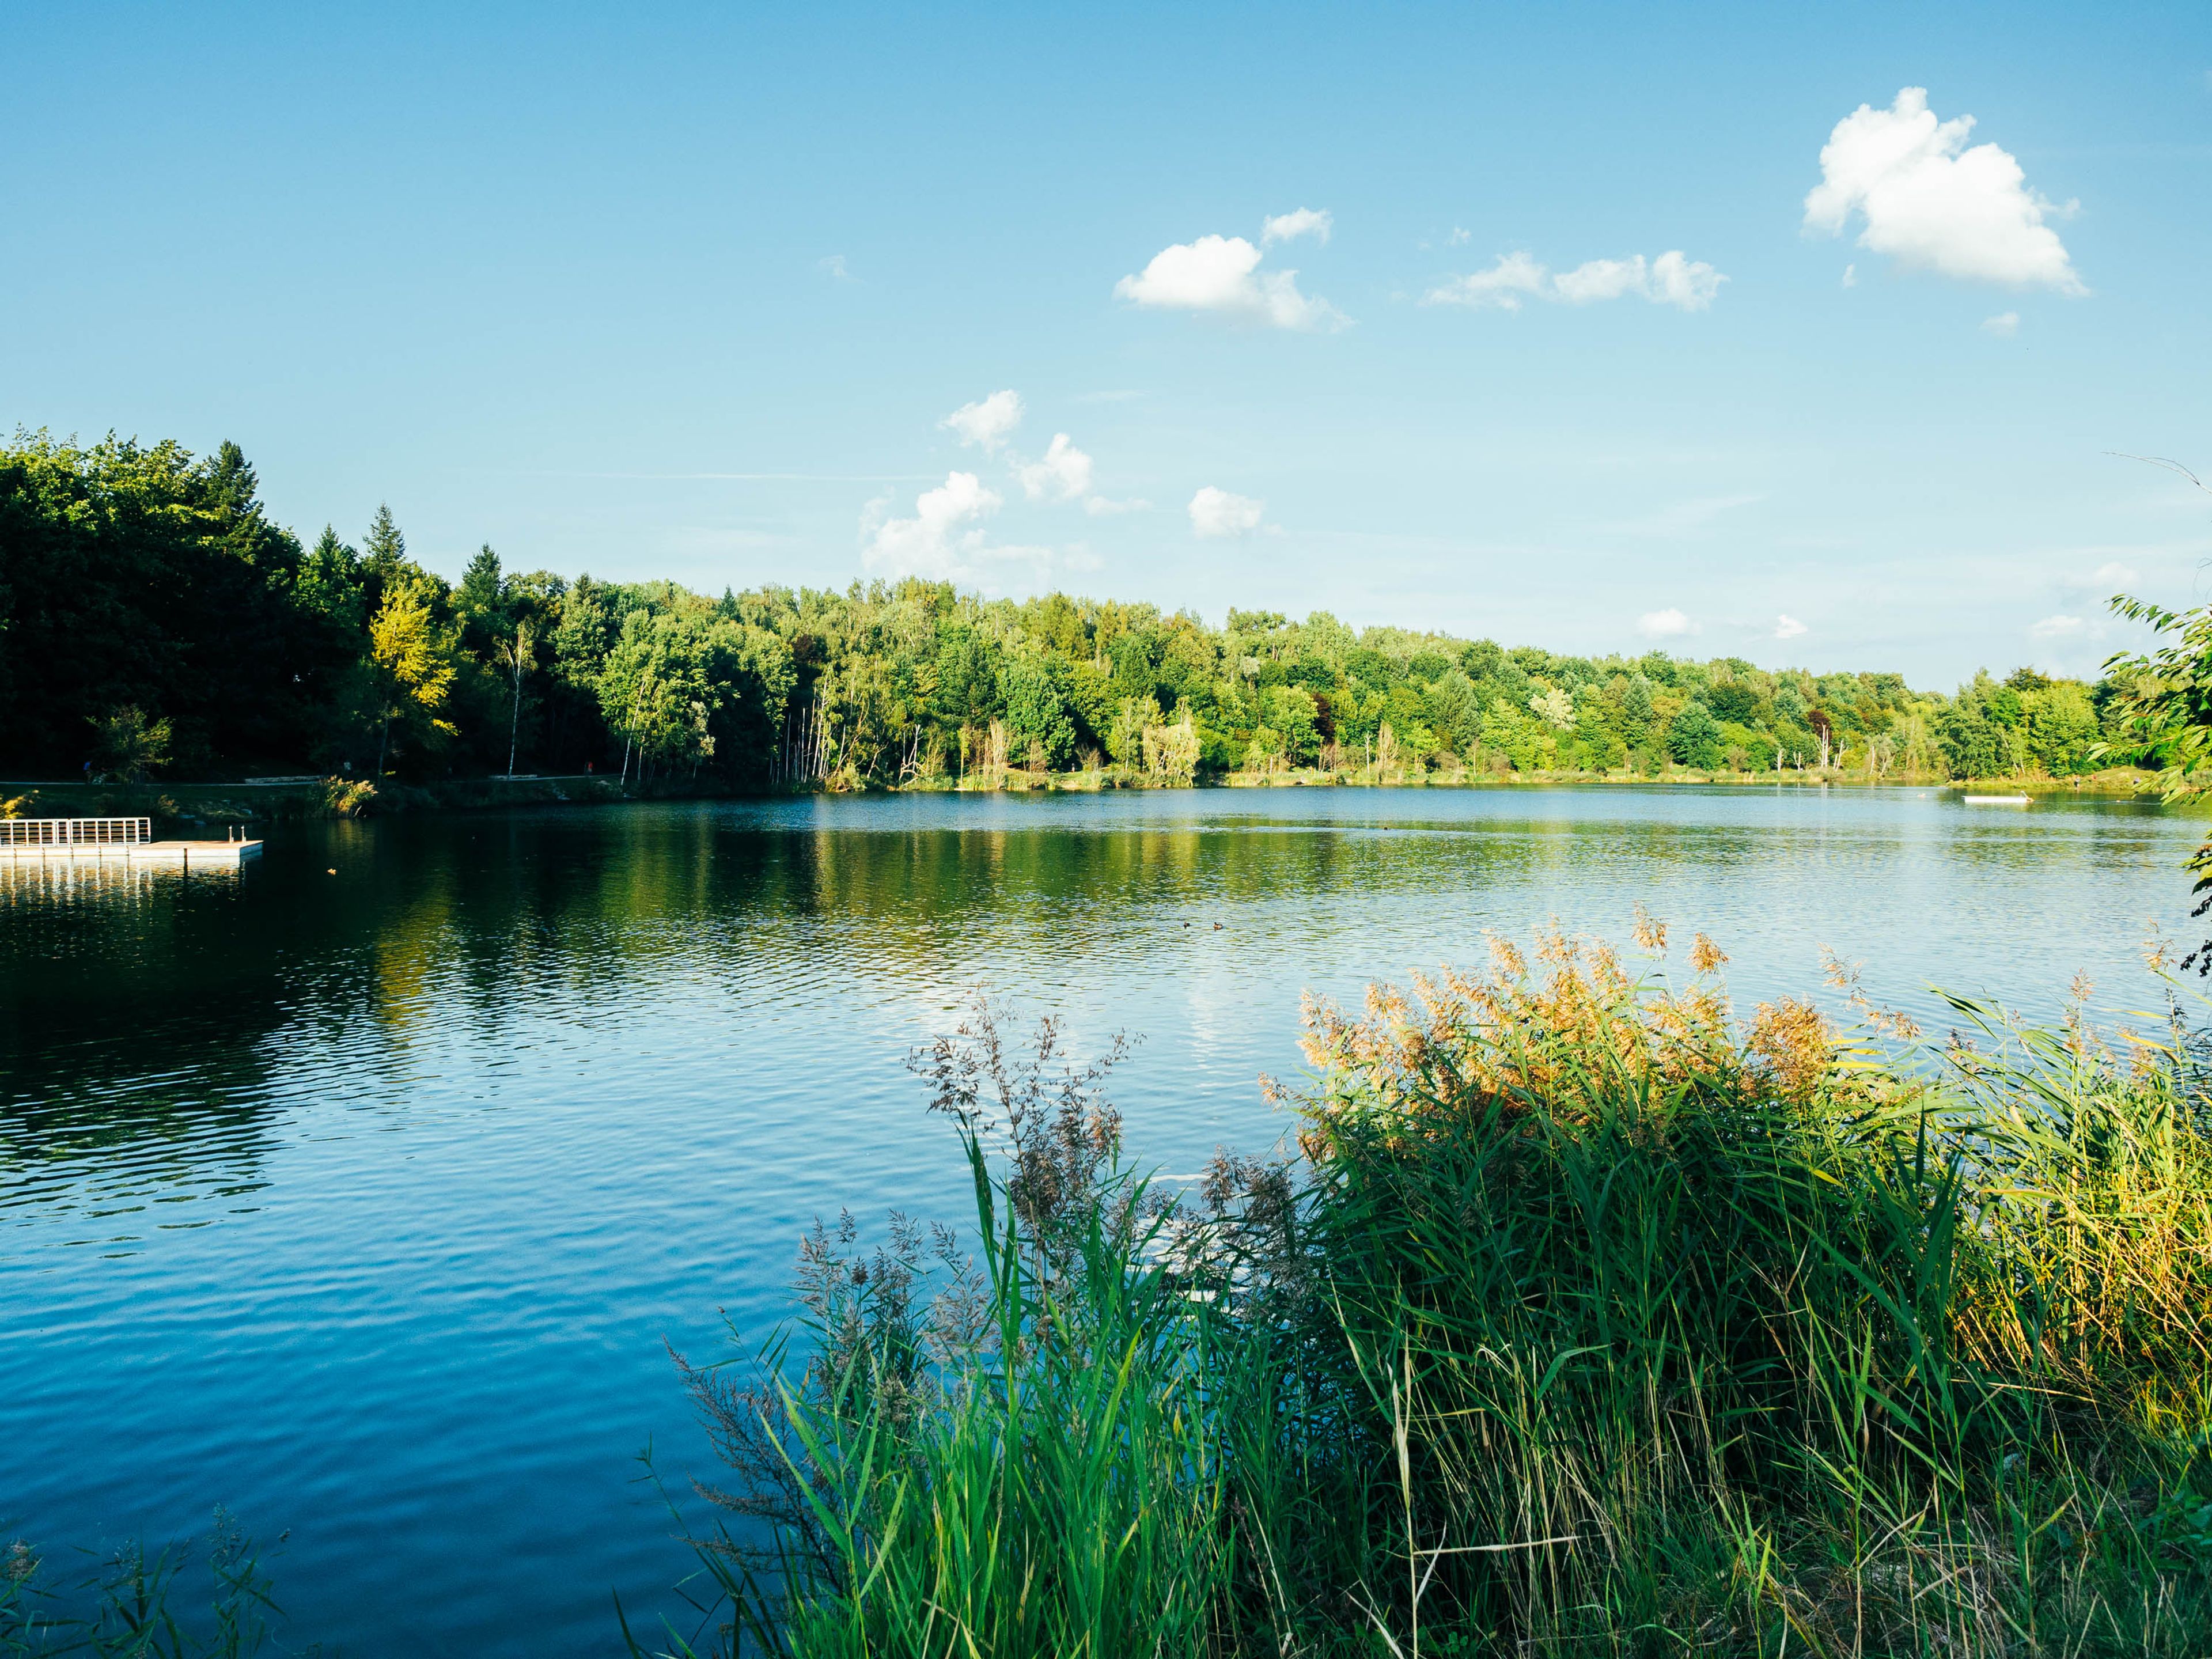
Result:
pixel 411 660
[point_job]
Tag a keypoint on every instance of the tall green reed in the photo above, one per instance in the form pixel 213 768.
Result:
pixel 1595 1320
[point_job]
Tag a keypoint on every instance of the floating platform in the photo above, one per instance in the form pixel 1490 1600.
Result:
pixel 129 840
pixel 227 853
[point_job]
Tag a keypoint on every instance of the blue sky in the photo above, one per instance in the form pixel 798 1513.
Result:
pixel 693 292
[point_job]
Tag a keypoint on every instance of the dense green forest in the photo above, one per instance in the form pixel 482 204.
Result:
pixel 153 619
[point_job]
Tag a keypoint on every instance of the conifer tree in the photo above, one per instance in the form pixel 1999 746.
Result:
pixel 384 548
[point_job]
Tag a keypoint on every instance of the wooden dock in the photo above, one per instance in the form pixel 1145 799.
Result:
pixel 129 840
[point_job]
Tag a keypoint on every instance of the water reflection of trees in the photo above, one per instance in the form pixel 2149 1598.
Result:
pixel 130 1061
pixel 145 1011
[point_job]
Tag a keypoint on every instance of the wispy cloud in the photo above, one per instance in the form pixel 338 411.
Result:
pixel 1680 519
pixel 985 423
pixel 1300 221
pixel 742 478
pixel 1672 279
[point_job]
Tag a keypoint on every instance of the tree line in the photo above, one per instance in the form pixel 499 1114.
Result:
pixel 152 616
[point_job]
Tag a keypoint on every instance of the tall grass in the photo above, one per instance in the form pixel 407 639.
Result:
pixel 1592 1320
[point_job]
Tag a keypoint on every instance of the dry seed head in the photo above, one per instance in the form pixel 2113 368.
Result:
pixel 1900 1025
pixel 2157 949
pixel 1791 1040
pixel 2143 1056
pixel 1651 933
pixel 1705 955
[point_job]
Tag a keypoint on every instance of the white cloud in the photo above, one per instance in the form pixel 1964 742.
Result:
pixel 1850 276
pixel 1932 203
pixel 1064 474
pixel 1221 274
pixel 1218 515
pixel 1788 627
pixel 1672 279
pixel 986 422
pixel 935 542
pixel 833 267
pixel 2115 574
pixel 1300 221
pixel 2056 628
pixel 1099 506
pixel 1503 285
pixel 1460 237
pixel 1666 624
pixel 1600 279
pixel 2004 325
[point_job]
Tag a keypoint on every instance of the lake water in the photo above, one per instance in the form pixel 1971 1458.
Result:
pixel 359 1191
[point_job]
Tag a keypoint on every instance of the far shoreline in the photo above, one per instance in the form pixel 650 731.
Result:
pixel 302 799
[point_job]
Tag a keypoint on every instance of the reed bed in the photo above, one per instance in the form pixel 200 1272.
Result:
pixel 1592 1318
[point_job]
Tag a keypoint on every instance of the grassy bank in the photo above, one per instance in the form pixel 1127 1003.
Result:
pixel 2113 780
pixel 181 807
pixel 1591 1319
pixel 2127 780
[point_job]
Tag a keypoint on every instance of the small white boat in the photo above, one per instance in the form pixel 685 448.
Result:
pixel 1996 801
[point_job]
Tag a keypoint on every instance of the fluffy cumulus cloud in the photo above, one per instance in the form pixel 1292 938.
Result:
pixel 1300 221
pixel 1668 624
pixel 986 422
pixel 2004 325
pixel 1218 515
pixel 2056 628
pixel 1788 627
pixel 1064 474
pixel 2114 574
pixel 1221 275
pixel 1932 203
pixel 941 540
pixel 1672 279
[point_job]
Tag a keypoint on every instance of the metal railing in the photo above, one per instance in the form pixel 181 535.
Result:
pixel 74 832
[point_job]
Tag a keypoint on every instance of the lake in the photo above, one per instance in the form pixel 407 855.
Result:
pixel 359 1191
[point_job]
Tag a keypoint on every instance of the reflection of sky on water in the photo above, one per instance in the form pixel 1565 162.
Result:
pixel 361 1202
